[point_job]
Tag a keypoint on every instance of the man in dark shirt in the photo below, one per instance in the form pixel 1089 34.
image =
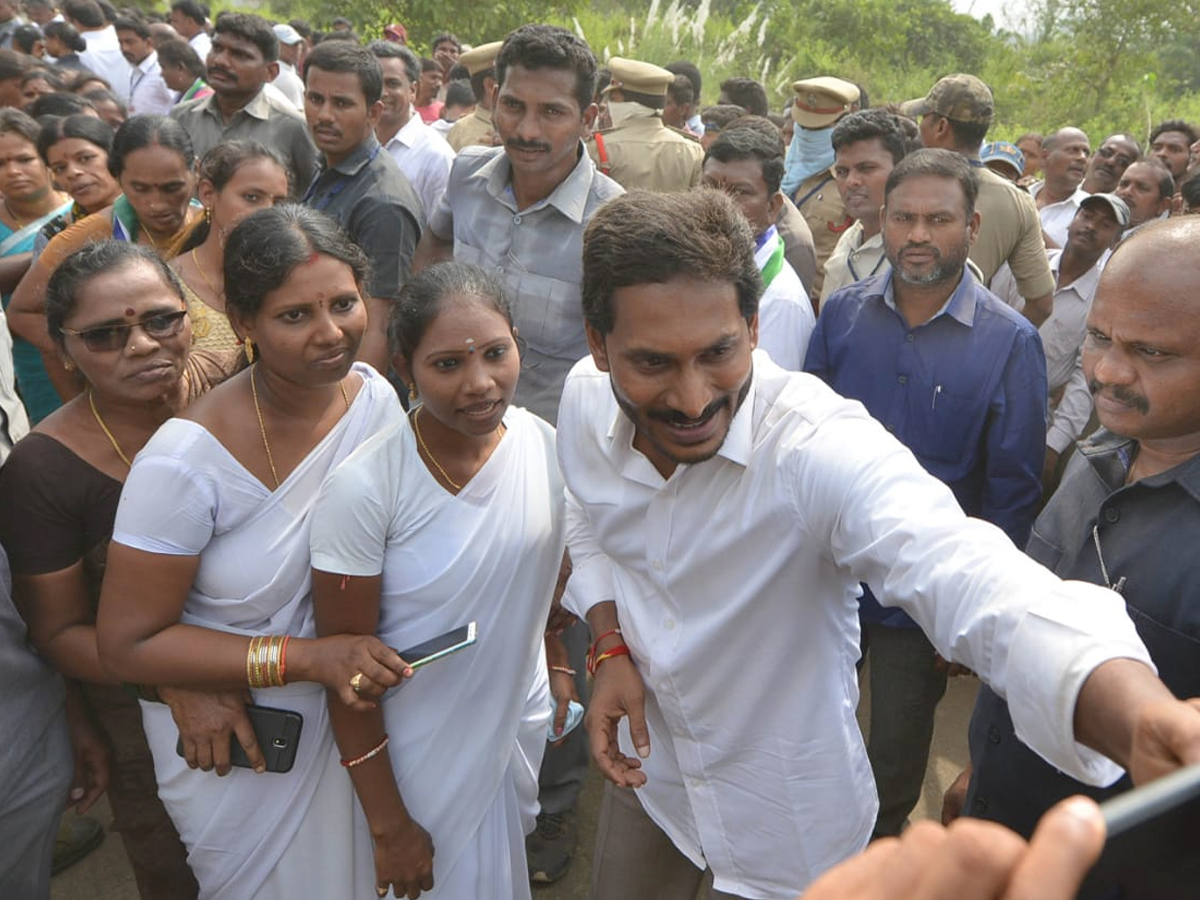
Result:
pixel 1128 510
pixel 358 183
pixel 959 378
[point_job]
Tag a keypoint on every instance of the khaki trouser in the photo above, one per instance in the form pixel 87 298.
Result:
pixel 635 860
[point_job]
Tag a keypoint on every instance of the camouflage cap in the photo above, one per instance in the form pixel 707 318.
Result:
pixel 962 98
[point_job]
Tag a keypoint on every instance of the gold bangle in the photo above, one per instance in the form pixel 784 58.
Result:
pixel 273 674
pixel 250 654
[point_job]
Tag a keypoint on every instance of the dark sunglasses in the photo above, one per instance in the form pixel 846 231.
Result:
pixel 108 338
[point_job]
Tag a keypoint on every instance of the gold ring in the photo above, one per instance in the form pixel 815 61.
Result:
pixel 356 686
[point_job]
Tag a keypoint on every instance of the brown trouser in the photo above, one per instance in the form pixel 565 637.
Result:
pixel 635 860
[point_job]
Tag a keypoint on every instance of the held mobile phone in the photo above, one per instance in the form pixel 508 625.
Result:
pixel 1150 852
pixel 278 733
pixel 442 645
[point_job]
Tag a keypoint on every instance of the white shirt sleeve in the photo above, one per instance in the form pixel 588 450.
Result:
pixel 1032 637
pixel 181 527
pixel 352 515
pixel 1072 413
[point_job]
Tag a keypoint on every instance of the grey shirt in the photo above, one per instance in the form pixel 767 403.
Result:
pixel 265 119
pixel 537 253
pixel 368 195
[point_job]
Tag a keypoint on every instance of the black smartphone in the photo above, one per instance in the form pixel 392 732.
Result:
pixel 278 733
pixel 1151 850
pixel 442 645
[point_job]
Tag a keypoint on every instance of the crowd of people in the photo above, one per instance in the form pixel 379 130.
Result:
pixel 314 348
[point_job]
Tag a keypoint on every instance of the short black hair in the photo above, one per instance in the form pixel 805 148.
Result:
pixel 25 37
pixel 1175 125
pixel 197 12
pixel 459 93
pixel 66 32
pixel 746 93
pixel 446 38
pixel 254 29
pixel 343 56
pixel 936 163
pixel 393 50
pixel 264 248
pixel 59 104
pixel 740 143
pixel 650 238
pixel 681 90
pixel 181 53
pixel 967 135
pixel 871 124
pixel 137 26
pixel 86 12
pixel 13 65
pixel 14 121
pixel 1166 181
pixel 720 116
pixel 691 72
pixel 1190 191
pixel 550 47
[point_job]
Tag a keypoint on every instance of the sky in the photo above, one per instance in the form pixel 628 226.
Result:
pixel 1005 13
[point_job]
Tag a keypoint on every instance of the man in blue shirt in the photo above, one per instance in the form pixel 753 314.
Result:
pixel 960 379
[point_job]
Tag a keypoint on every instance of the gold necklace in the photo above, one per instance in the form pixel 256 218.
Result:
pixel 199 268
pixel 108 434
pixel 262 427
pixel 433 459
pixel 13 215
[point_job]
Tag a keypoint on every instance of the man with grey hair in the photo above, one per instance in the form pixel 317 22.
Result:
pixel 1065 155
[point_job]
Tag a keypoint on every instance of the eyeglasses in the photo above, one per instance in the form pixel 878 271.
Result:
pixel 108 338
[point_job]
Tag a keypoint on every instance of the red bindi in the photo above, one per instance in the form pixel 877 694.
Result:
pixel 129 312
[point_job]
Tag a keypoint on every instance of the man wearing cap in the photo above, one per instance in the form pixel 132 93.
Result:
pixel 1065 155
pixel 956 115
pixel 808 177
pixel 1116 154
pixel 288 81
pixel 421 153
pixel 1092 234
pixel 1005 159
pixel 639 151
pixel 476 129
pixel 1127 513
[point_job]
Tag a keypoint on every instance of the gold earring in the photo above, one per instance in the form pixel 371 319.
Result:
pixel 412 393
pixel 68 365
pixel 248 345
pixel 208 215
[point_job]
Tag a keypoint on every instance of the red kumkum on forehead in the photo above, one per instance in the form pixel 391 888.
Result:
pixel 129 313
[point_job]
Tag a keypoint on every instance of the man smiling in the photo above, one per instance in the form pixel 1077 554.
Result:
pixel 721 513
pixel 358 183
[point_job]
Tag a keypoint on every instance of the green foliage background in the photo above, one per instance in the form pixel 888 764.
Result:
pixel 1104 65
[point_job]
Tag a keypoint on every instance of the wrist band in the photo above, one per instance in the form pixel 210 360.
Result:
pixel 374 751
pixel 594 661
pixel 566 670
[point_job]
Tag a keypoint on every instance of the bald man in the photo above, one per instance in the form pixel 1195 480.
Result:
pixel 1065 156
pixel 1127 513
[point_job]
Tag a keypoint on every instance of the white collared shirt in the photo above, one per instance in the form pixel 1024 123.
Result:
pixel 103 56
pixel 290 85
pixel 1056 217
pixel 148 93
pixel 424 156
pixel 785 315
pixel 736 582
pixel 202 44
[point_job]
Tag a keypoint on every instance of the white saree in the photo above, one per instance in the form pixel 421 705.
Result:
pixel 270 836
pixel 467 732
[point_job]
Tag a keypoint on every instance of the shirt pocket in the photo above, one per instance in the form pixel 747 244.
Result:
pixel 944 429
pixel 549 315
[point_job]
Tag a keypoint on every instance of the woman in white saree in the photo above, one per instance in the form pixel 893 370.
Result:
pixel 453 516
pixel 211 550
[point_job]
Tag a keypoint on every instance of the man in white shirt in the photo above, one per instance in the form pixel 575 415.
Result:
pixel 421 153
pixel 748 166
pixel 190 19
pixel 721 513
pixel 1065 157
pixel 148 93
pixel 1091 236
pixel 288 82
pixel 103 54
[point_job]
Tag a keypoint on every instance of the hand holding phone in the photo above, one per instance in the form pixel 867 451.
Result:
pixel 443 645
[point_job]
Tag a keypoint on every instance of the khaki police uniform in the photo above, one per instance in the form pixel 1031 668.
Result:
pixel 641 152
pixel 475 129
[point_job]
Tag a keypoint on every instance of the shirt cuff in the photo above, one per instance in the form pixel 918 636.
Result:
pixel 1058 440
pixel 591 582
pixel 1062 643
